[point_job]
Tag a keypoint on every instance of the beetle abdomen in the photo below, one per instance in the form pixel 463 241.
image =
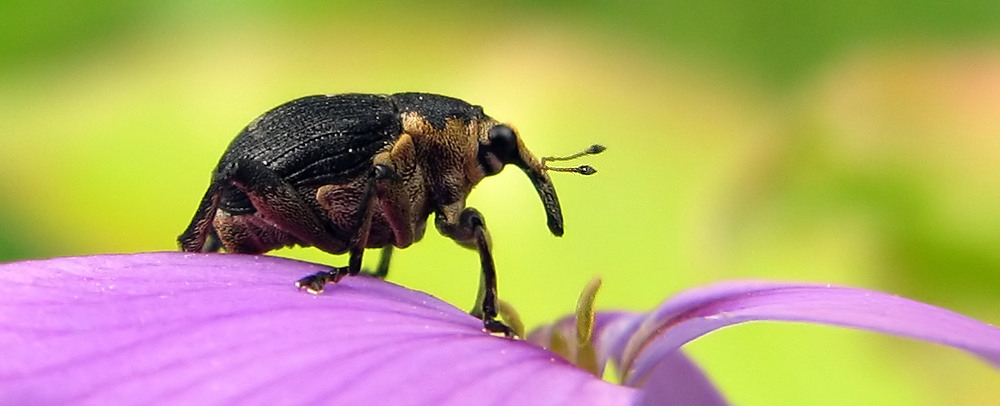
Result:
pixel 317 140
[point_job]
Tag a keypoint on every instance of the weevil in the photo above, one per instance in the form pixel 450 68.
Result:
pixel 353 171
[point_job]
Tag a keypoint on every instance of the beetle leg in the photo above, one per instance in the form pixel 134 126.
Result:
pixel 279 202
pixel 194 238
pixel 383 264
pixel 470 230
pixel 380 172
pixel 396 200
pixel 242 234
pixel 314 283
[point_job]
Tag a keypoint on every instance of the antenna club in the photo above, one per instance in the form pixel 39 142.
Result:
pixel 586 170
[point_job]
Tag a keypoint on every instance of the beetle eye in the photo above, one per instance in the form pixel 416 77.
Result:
pixel 503 143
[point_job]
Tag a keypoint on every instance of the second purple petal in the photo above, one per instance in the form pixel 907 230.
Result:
pixel 697 312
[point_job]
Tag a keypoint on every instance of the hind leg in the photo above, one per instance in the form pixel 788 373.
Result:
pixel 280 205
pixel 248 234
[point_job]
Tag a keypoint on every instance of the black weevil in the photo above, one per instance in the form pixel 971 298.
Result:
pixel 354 171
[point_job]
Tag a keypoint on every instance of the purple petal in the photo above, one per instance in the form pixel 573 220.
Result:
pixel 674 381
pixel 608 327
pixel 197 328
pixel 700 311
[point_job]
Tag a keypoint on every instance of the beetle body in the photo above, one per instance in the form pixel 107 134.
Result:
pixel 354 171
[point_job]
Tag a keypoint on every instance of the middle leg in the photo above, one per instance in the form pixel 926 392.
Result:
pixel 314 283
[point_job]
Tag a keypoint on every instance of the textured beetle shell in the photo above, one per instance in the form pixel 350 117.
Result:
pixel 323 140
pixel 318 140
pixel 323 147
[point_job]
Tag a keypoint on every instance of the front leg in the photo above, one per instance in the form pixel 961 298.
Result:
pixel 469 230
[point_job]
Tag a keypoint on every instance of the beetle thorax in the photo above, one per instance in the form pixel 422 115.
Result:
pixel 447 155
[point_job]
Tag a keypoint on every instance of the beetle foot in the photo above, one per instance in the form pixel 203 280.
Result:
pixel 493 326
pixel 314 283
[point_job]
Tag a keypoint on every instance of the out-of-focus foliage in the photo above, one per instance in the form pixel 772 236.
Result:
pixel 842 142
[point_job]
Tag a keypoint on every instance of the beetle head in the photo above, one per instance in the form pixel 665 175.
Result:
pixel 502 146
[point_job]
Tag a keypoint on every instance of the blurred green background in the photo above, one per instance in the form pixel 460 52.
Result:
pixel 834 142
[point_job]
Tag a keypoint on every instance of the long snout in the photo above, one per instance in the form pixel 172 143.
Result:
pixel 546 191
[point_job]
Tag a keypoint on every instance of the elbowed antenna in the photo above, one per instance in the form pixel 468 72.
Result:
pixel 537 172
pixel 582 169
